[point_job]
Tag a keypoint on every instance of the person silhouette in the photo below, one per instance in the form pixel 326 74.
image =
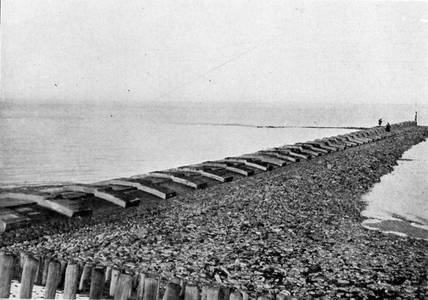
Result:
pixel 388 127
pixel 380 122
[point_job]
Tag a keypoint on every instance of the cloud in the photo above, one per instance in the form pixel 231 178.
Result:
pixel 424 20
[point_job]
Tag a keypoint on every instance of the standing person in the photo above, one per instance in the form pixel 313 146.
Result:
pixel 380 122
pixel 388 127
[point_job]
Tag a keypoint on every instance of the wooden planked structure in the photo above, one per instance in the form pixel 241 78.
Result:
pixel 121 285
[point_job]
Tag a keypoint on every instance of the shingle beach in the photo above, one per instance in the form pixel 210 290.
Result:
pixel 297 228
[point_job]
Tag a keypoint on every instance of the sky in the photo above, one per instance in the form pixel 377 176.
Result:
pixel 208 51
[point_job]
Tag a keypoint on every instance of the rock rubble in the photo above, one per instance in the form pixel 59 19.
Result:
pixel 297 228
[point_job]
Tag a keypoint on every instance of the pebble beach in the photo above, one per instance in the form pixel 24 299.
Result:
pixel 297 228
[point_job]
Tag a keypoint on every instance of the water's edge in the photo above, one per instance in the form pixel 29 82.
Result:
pixel 396 205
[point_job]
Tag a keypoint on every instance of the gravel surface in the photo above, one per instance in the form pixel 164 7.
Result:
pixel 297 228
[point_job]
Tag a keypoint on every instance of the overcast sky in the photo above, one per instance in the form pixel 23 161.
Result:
pixel 288 51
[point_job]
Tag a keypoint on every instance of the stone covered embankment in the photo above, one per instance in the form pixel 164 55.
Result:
pixel 297 228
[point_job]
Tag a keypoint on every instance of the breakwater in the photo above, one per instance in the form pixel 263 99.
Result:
pixel 24 207
pixel 266 193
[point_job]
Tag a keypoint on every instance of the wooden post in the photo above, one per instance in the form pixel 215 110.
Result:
pixel 123 287
pixel 204 292
pixel 140 287
pixel 135 279
pixel 151 289
pixel 113 282
pixel 39 271
pixel 81 267
pixel 108 273
pixel 22 256
pixel 236 296
pixel 192 292
pixel 224 293
pixel 45 270
pixel 172 291
pixel 52 279
pixel 71 280
pixel 213 293
pixel 28 276
pixel 97 283
pixel 245 296
pixel 6 273
pixel 62 272
pixel 84 279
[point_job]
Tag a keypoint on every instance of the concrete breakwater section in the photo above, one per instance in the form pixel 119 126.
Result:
pixel 24 208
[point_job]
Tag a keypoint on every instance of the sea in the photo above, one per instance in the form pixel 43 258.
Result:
pixel 49 142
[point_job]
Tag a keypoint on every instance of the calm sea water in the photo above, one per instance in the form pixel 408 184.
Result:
pixel 54 142
pixel 403 192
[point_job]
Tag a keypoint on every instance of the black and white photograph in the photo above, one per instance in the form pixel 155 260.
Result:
pixel 214 150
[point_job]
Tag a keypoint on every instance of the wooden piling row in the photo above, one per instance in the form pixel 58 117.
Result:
pixel 102 281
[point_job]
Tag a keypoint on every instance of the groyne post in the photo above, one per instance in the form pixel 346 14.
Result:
pixel 172 291
pixel 140 286
pixel 71 280
pixel 236 296
pixel 46 262
pixel 109 268
pixel 245 295
pixel 113 282
pixel 97 282
pixel 62 272
pixel 191 292
pixel 204 293
pixel 224 293
pixel 213 293
pixel 84 279
pixel 6 272
pixel 28 277
pixel 52 279
pixel 39 271
pixel 151 289
pixel 123 287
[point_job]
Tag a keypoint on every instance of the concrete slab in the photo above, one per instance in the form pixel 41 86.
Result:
pixel 322 145
pixel 293 152
pixel 267 159
pixel 251 162
pixel 121 195
pixel 181 178
pixel 314 148
pixel 299 149
pixel 238 168
pixel 70 206
pixel 10 202
pixel 277 154
pixel 11 219
pixel 216 174
pixel 333 143
pixel 146 186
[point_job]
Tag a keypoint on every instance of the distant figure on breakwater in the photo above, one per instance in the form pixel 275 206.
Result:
pixel 388 127
pixel 380 122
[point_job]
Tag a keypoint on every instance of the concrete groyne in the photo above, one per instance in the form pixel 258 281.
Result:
pixel 23 208
pixel 293 230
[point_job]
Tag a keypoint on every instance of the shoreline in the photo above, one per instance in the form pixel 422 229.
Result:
pixel 296 228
